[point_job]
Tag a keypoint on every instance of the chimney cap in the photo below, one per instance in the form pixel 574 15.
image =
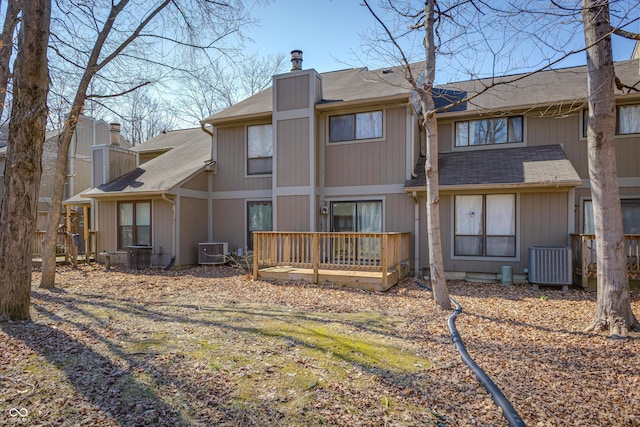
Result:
pixel 296 60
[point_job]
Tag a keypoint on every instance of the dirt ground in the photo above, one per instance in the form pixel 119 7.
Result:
pixel 209 346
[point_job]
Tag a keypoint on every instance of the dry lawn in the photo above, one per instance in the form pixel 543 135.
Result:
pixel 208 346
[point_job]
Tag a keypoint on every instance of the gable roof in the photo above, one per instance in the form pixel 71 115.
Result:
pixel 536 166
pixel 564 87
pixel 350 85
pixel 559 87
pixel 168 140
pixel 162 173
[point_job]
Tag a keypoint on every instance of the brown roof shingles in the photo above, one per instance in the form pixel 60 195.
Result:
pixel 544 165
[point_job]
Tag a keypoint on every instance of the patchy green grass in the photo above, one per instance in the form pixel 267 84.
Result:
pixel 124 360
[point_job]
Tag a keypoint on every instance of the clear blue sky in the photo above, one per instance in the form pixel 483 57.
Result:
pixel 329 31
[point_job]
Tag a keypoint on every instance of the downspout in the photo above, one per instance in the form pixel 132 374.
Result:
pixel 416 231
pixel 173 230
pixel 212 166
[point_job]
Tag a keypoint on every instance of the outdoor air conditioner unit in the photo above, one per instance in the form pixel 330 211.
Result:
pixel 550 265
pixel 212 253
pixel 138 257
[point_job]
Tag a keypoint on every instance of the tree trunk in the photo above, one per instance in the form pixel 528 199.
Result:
pixel 23 164
pixel 6 49
pixel 48 277
pixel 613 310
pixel 436 264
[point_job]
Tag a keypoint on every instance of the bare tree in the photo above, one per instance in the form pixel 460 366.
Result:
pixel 220 84
pixel 143 116
pixel 23 169
pixel 115 44
pixel 11 20
pixel 613 310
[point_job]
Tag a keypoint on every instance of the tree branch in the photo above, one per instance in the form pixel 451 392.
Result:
pixel 114 95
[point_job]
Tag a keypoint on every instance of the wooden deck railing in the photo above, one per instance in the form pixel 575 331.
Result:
pixel 331 251
pixel 583 248
pixel 65 245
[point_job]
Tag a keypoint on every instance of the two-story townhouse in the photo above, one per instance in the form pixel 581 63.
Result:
pixel 514 172
pixel 89 132
pixel 341 152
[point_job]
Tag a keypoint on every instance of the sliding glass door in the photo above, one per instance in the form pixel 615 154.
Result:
pixel 357 217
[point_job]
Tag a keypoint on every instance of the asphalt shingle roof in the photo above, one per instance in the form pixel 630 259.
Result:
pixel 164 172
pixel 544 165
pixel 558 87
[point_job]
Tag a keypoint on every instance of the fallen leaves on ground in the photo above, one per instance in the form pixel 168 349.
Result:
pixel 209 346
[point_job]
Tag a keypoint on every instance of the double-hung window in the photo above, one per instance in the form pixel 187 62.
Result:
pixel 485 225
pixel 354 127
pixel 501 130
pixel 259 150
pixel 134 224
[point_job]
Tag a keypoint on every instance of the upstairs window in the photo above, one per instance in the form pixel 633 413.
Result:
pixel 353 127
pixel 627 120
pixel 259 150
pixel 501 130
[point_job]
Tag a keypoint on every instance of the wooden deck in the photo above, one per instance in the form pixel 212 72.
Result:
pixel 583 249
pixel 371 261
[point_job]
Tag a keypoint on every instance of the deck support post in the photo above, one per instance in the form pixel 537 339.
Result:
pixel 585 263
pixel 383 258
pixel 315 258
pixel 256 254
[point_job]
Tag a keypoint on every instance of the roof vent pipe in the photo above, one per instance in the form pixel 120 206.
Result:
pixel 296 60
pixel 114 129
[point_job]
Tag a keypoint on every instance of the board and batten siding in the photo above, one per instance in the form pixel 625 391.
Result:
pixel 108 230
pixel 193 228
pixel 293 92
pixel 162 233
pixel 377 162
pixel 232 160
pixel 293 156
pixel 293 213
pixel 200 182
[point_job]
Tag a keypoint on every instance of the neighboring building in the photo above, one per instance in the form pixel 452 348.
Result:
pixel 89 132
pixel 162 202
pixel 343 151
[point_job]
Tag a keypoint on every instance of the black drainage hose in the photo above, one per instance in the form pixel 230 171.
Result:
pixel 507 410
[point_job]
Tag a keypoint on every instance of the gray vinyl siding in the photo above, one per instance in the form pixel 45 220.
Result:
pixel 293 213
pixel 193 228
pixel 376 162
pixel 293 152
pixel 232 163
pixel 228 222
